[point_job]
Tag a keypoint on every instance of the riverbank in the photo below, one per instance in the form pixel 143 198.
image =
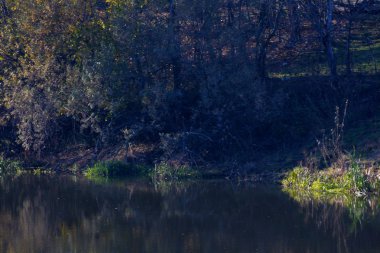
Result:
pixel 274 142
pixel 347 186
pixel 353 180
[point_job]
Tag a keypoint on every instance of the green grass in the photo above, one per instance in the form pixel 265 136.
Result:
pixel 102 171
pixel 352 181
pixel 113 170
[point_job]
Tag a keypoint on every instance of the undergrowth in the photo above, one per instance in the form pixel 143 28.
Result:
pixel 164 171
pixel 161 172
pixel 9 167
pixel 114 169
pixel 345 174
pixel 352 180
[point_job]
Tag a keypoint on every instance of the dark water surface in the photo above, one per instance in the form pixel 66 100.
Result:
pixel 62 214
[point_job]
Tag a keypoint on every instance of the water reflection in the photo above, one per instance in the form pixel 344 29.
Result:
pixel 52 214
pixel 345 217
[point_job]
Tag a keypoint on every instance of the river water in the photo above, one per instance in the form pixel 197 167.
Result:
pixel 65 214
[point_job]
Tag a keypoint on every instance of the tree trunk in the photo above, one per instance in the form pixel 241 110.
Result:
pixel 348 48
pixel 295 29
pixel 329 39
pixel 261 56
pixel 174 51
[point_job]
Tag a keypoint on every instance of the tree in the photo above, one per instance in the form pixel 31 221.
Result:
pixel 268 20
pixel 321 15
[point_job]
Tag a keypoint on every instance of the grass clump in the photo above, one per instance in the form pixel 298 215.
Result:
pixel 165 171
pixel 330 181
pixel 114 169
pixel 161 172
pixel 298 178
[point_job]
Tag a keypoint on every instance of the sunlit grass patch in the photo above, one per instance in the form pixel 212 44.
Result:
pixel 331 181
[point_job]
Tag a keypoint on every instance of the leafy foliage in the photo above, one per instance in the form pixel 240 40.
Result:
pixel 9 167
pixel 87 71
pixel 164 171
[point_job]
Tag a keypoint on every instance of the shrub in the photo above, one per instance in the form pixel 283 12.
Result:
pixel 164 171
pixel 331 145
pixel 9 167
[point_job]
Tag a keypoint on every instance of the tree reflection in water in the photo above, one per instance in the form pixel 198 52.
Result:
pixel 62 214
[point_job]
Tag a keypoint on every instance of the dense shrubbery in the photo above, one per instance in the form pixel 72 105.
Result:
pixel 193 77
